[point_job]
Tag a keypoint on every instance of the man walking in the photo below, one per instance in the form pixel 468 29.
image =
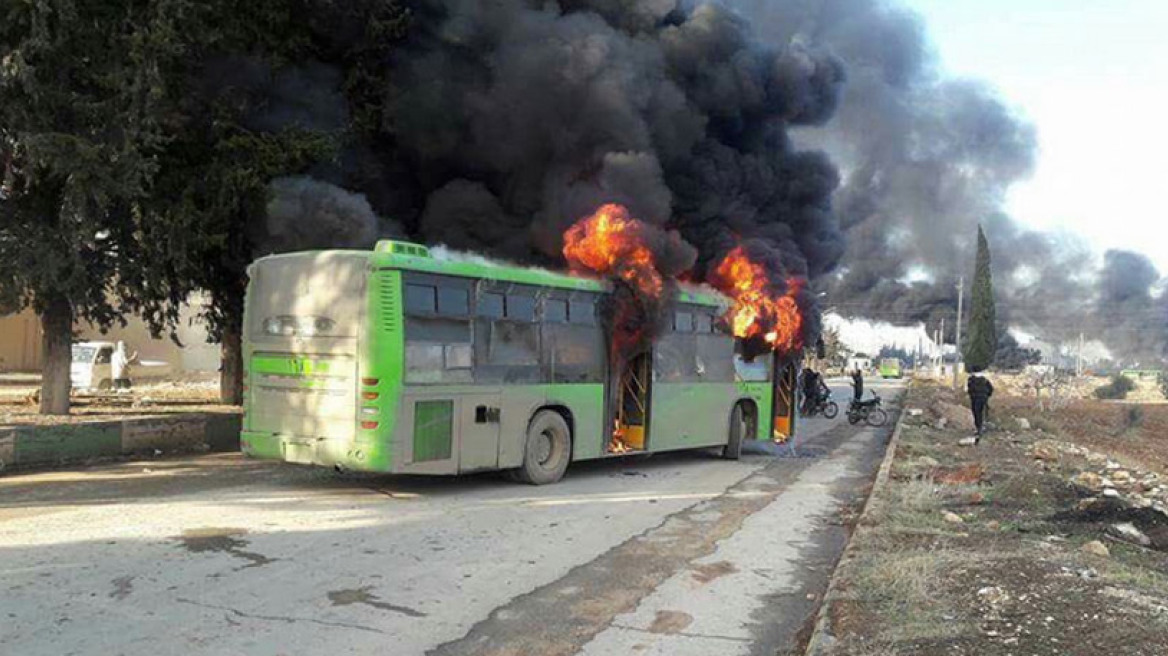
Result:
pixel 980 390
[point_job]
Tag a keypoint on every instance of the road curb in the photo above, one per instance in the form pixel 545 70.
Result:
pixel 27 447
pixel 821 638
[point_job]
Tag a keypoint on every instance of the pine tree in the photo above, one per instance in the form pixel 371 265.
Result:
pixel 983 340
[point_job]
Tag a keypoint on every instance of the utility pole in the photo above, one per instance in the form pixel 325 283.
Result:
pixel 960 297
pixel 1079 361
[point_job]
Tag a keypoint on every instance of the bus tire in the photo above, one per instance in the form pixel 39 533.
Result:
pixel 733 448
pixel 547 449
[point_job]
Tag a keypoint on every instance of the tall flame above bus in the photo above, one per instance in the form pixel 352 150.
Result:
pixel 612 243
pixel 766 312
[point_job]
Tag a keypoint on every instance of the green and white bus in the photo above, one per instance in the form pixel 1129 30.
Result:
pixel 890 368
pixel 405 361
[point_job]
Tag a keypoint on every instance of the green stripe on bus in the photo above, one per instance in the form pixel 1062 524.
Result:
pixel 285 366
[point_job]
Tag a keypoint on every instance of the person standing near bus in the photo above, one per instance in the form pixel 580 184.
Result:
pixel 120 366
pixel 980 389
pixel 810 389
pixel 857 385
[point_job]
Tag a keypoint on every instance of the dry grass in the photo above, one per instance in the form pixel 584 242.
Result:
pixel 911 584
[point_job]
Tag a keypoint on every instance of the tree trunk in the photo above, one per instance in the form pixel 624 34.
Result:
pixel 57 346
pixel 231 374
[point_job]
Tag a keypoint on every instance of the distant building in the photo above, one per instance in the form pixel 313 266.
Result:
pixel 870 337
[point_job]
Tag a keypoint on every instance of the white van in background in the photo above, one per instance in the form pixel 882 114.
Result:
pixel 90 369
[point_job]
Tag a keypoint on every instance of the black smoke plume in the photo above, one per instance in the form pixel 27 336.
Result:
pixel 505 122
pixel 924 160
pixel 304 213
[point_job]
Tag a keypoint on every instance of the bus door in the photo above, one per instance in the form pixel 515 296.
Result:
pixel 786 399
pixel 631 383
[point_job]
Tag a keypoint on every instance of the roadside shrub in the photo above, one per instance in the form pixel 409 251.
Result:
pixel 1133 417
pixel 1162 381
pixel 1116 389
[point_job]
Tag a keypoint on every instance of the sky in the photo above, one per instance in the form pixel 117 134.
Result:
pixel 1092 76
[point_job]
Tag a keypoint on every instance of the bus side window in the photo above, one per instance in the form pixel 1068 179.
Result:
pixel 421 299
pixel 582 312
pixel 490 305
pixel 555 310
pixel 703 323
pixel 520 308
pixel 453 302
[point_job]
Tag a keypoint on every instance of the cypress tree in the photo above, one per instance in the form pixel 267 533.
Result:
pixel 983 340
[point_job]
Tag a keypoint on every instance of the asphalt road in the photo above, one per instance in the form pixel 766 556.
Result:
pixel 671 554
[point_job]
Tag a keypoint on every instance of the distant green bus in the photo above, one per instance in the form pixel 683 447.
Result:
pixel 399 360
pixel 890 368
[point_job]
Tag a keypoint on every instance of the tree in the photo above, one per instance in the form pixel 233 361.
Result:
pixel 212 189
pixel 79 124
pixel 983 341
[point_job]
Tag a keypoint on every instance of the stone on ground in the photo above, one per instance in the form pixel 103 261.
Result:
pixel 1097 548
pixel 955 416
pixel 952 517
pixel 1128 532
pixel 1088 480
pixel 1045 450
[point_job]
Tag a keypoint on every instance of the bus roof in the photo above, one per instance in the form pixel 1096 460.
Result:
pixel 414 257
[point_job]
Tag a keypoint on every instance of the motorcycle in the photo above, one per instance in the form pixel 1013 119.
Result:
pixel 867 411
pixel 824 406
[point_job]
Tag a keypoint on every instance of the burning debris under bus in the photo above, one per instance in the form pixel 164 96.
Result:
pixel 455 363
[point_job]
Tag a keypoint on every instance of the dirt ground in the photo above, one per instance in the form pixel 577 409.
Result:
pixel 1010 547
pixel 1134 434
pixel 18 407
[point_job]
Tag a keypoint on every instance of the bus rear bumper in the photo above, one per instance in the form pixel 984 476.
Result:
pixel 320 451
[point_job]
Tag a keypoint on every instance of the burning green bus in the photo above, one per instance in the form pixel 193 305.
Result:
pixel 401 360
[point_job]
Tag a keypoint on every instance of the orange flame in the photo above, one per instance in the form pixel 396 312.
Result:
pixel 612 243
pixel 618 444
pixel 756 313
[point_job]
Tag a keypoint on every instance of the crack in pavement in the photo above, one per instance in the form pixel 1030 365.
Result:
pixel 288 619
pixel 558 618
pixel 683 634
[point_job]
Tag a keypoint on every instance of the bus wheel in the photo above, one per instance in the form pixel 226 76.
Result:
pixel 547 450
pixel 733 448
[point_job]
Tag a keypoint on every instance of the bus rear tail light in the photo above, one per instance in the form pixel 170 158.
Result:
pixel 369 425
pixel 370 396
pixel 368 410
pixel 370 382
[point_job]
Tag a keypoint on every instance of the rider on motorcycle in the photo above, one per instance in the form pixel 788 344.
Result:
pixel 815 390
